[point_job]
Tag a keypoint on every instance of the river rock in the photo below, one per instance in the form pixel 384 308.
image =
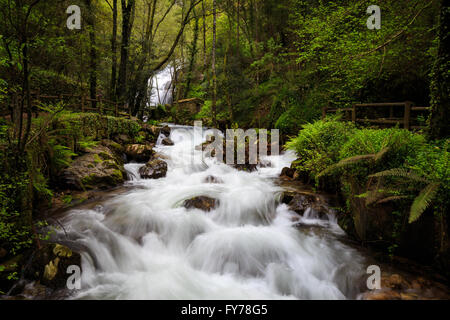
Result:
pixel 117 149
pixel 202 202
pixel 167 142
pixel 166 131
pixel 50 263
pixel 151 131
pixel 98 169
pixel 299 203
pixel 153 169
pixel 212 179
pixel 139 152
pixel 287 172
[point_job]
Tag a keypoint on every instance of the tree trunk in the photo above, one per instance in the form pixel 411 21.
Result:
pixel 213 66
pixel 204 37
pixel 124 47
pixel 440 84
pixel 192 56
pixel 114 53
pixel 92 54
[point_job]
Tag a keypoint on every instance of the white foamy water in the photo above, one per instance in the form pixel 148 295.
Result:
pixel 146 245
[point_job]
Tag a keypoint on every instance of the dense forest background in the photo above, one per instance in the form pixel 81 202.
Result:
pixel 253 63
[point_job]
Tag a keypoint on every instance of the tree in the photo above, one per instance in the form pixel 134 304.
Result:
pixel 440 84
pixel 127 25
pixel 213 66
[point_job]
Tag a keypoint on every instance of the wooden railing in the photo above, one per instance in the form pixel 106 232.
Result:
pixel 73 102
pixel 399 113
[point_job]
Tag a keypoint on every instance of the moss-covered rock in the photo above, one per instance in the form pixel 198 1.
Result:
pixel 50 263
pixel 139 152
pixel 98 169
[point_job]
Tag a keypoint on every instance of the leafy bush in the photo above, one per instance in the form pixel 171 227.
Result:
pixel 318 145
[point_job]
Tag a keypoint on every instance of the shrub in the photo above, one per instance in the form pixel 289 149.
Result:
pixel 318 144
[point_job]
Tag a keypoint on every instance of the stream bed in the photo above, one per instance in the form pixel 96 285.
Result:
pixel 144 244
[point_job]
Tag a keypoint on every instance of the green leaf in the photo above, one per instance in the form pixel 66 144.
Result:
pixel 422 201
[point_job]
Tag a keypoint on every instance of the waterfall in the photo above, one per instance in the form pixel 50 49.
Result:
pixel 161 87
pixel 146 245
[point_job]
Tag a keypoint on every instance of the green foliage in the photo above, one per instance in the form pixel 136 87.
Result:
pixel 318 145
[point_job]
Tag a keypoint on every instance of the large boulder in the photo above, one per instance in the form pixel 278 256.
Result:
pixel 49 265
pixel 153 169
pixel 202 202
pixel 98 169
pixel 152 132
pixel 139 152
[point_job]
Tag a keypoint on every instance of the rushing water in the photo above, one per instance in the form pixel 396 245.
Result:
pixel 145 245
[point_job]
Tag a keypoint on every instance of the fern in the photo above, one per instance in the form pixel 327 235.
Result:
pixel 352 160
pixel 423 200
pixel 400 172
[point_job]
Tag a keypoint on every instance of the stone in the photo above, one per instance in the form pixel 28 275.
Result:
pixel 153 169
pixel 167 142
pixel 202 202
pixel 287 172
pixel 139 152
pixel 98 169
pixel 166 131
pixel 212 179
pixel 50 263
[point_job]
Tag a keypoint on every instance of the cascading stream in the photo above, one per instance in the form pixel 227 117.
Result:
pixel 146 245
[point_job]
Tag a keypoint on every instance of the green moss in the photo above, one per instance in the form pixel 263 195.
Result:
pixel 97 159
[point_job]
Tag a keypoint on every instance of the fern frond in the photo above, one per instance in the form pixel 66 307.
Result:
pixel 400 172
pixel 346 162
pixel 422 201
pixel 391 198
pixel 380 154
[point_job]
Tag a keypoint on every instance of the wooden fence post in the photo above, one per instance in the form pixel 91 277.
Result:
pixel 407 115
pixel 100 107
pixel 324 112
pixel 82 103
pixel 354 113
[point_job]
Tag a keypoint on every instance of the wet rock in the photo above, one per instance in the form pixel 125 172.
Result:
pixel 117 149
pixel 152 132
pixel 212 179
pixel 302 203
pixel 153 169
pixel 202 202
pixel 167 142
pixel 50 263
pixel 139 152
pixel 166 131
pixel 287 172
pixel 98 169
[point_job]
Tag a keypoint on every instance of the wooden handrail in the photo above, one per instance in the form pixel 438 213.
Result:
pixel 405 120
